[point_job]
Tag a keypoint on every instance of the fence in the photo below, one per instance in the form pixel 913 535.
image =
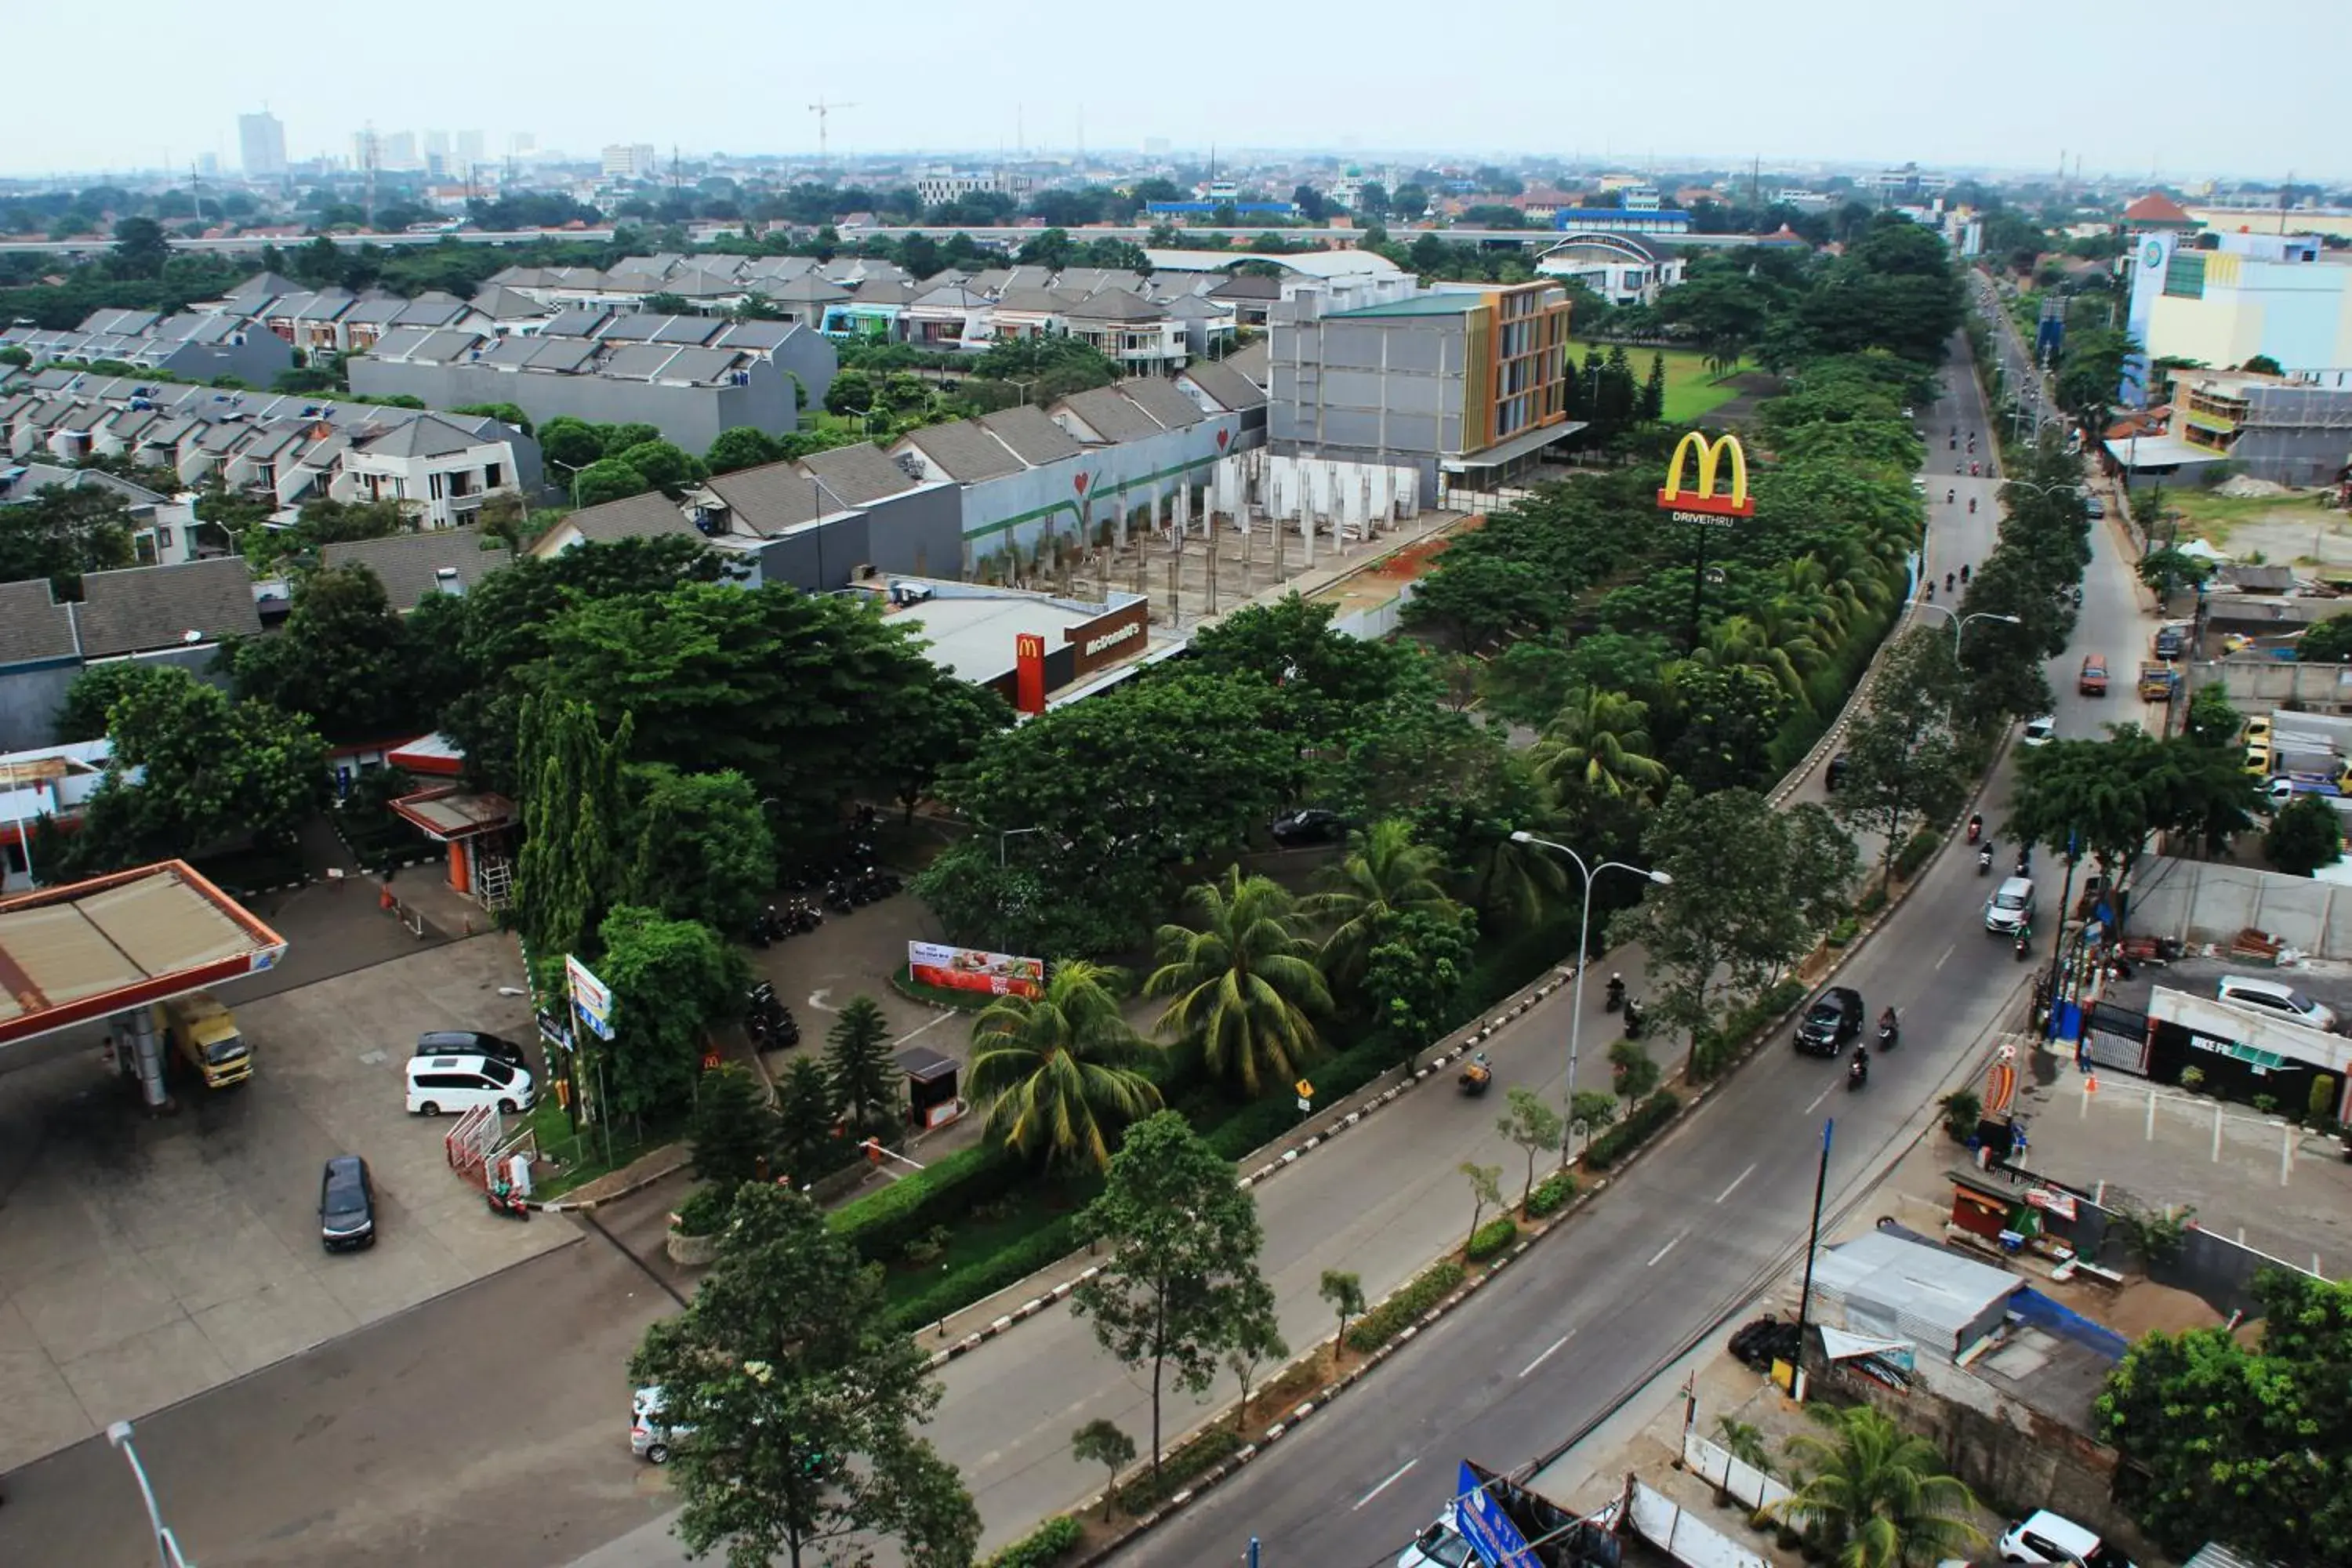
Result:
pixel 1733 1477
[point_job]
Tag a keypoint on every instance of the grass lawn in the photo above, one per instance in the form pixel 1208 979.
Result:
pixel 2210 516
pixel 581 1155
pixel 1692 390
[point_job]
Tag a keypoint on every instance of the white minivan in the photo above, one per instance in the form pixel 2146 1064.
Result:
pixel 436 1084
pixel 2276 998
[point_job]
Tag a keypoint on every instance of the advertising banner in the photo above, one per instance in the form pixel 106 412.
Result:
pixel 968 969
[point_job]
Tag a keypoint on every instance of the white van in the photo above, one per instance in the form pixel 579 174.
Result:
pixel 436 1084
pixel 2275 998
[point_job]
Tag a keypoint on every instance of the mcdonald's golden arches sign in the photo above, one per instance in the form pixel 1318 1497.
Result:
pixel 1701 504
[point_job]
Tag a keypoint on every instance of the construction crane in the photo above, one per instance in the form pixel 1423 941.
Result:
pixel 821 108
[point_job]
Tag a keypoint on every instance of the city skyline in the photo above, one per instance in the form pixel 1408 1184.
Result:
pixel 2006 88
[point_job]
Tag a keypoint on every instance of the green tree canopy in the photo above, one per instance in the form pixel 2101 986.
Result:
pixel 1059 1074
pixel 671 982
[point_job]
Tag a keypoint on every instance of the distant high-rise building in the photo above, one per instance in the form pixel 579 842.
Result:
pixel 523 144
pixel 1157 146
pixel 436 144
pixel 261 142
pixel 470 146
pixel 208 165
pixel 399 150
pixel 633 162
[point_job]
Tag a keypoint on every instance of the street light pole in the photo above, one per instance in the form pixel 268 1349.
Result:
pixel 1003 833
pixel 1959 622
pixel 167 1547
pixel 1583 944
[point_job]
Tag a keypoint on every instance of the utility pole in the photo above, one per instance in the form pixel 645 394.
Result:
pixel 823 109
pixel 1812 1246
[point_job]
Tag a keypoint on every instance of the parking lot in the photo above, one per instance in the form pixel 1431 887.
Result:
pixel 144 1260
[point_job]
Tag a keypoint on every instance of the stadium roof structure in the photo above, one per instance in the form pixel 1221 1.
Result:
pixel 88 950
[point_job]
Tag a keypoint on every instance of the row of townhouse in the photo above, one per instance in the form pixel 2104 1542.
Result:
pixel 325 321
pixel 285 449
pixel 688 376
pixel 191 346
pixel 163 526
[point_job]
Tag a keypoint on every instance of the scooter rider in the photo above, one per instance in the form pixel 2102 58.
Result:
pixel 1889 1027
pixel 1858 1068
pixel 1616 992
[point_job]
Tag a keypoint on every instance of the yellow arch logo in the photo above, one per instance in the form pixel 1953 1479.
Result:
pixel 1701 504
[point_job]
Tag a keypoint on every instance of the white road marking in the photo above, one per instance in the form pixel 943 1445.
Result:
pixel 920 1029
pixel 1948 953
pixel 1735 1182
pixel 1669 1248
pixel 816 999
pixel 1818 1099
pixel 1547 1355
pixel 1385 1484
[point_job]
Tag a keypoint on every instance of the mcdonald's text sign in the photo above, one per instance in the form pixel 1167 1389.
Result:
pixel 1701 503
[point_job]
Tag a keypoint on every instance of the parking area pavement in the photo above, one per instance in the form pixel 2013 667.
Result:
pixel 144 1260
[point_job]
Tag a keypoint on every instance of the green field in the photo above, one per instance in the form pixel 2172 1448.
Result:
pixel 2212 518
pixel 1691 391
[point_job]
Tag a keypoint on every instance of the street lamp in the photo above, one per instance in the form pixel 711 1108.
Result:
pixel 1583 942
pixel 1003 833
pixel 167 1546
pixel 1959 622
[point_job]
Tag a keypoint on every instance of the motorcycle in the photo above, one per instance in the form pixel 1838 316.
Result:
pixel 1633 1020
pixel 1973 506
pixel 1949 581
pixel 505 1201
pixel 1477 1078
pixel 1857 1073
pixel 837 899
pixel 1890 1030
pixel 2024 943
pixel 1615 996
pixel 1964 569
pixel 1976 826
pixel 1972 469
pixel 1984 861
pixel 1931 590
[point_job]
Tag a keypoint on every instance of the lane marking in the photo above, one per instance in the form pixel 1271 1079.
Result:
pixel 1948 953
pixel 1385 1484
pixel 1818 1099
pixel 1736 1181
pixel 1669 1248
pixel 1547 1355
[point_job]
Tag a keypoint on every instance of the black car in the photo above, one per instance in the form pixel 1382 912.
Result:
pixel 1835 1018
pixel 346 1204
pixel 1838 766
pixel 1312 825
pixel 2168 642
pixel 471 1043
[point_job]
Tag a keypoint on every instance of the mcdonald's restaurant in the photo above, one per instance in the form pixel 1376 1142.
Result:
pixel 1034 651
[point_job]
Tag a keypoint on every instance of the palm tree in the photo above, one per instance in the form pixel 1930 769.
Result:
pixel 1387 874
pixel 1740 642
pixel 1879 1494
pixel 1056 1071
pixel 1599 743
pixel 1243 982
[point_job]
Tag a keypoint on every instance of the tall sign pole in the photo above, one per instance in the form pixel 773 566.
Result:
pixel 1812 1245
pixel 1701 505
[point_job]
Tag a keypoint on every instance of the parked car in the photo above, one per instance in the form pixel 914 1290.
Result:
pixel 2039 731
pixel 1835 1018
pixel 1312 825
pixel 436 1084
pixel 2011 906
pixel 2093 680
pixel 2054 1538
pixel 2276 998
pixel 346 1204
pixel 649 1438
pixel 2169 642
pixel 469 1042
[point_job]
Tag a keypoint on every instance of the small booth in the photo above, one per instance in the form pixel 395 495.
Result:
pixel 931 1099
pixel 473 824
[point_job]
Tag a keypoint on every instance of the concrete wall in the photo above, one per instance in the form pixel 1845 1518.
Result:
pixel 1019 510
pixel 2259 685
pixel 690 417
pixel 1375 388
pixel 30 697
pixel 2200 901
pixel 919 534
pixel 257 362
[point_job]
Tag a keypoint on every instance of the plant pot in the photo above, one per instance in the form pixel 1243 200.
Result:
pixel 691 1251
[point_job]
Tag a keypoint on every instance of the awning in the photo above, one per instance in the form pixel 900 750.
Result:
pixel 447 815
pixel 1510 451
pixel 2162 452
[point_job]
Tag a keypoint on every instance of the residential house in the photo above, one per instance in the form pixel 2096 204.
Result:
pixel 442 471
pixel 946 317
pixel 1134 333
pixel 190 346
pixel 871 313
pixel 414 565
pixel 827 521
pixel 1216 387
pixel 649 516
pixel 1623 268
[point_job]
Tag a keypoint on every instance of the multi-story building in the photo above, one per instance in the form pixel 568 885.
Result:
pixel 1623 268
pixel 940 187
pixel 634 161
pixel 440 471
pixel 2224 299
pixel 163 527
pixel 469 148
pixel 261 144
pixel 2266 426
pixel 1469 382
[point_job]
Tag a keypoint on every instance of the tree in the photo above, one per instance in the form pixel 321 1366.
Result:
pixel 1632 1071
pixel 701 847
pixel 1384 876
pixel 932 727
pixel 1415 973
pixel 62 532
pixel 567 875
pixel 98 687
pixel 1535 1128
pixel 571 444
pixel 1256 1341
pixel 1595 1109
pixel 140 249
pixel 1879 1495
pixel 734 1131
pixel 1903 760
pixel 661 464
pixel 2109 797
pixel 2304 835
pixel 1597 745
pixel 1344 1293
pixel 2329 642
pixel 1101 1442
pixel 607 480
pixel 859 1064
pixel 1181 1281
pixel 2238 1443
pixel 671 982
pixel 744 447
pixel 850 394
pixel 1056 1072
pixel 808 1136
pixel 343 658
pixel 1486 1190
pixel 2167 569
pixel 1652 407
pixel 792 1406
pixel 1481 600
pixel 1243 982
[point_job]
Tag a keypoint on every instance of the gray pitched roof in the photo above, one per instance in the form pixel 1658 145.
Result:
pixel 1116 305
pixel 1255 362
pixel 769 499
pixel 147 608
pixel 33 627
pixel 857 475
pixel 1036 301
pixel 1226 384
pixel 965 451
pixel 638 517
pixel 1160 399
pixel 1111 415
pixel 501 304
pixel 1034 438
pixel 427 437
pixel 411 565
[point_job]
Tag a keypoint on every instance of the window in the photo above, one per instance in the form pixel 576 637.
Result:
pixel 434 482
pixel 493 476
pixel 2184 275
pixel 497 1073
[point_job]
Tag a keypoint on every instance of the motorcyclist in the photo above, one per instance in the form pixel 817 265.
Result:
pixel 1888 1025
pixel 1976 826
pixel 1616 992
pixel 1949 495
pixel 1948 580
pixel 1633 1020
pixel 1972 505
pixel 1859 1068
pixel 1964 568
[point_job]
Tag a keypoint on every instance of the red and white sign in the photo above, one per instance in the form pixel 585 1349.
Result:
pixel 968 969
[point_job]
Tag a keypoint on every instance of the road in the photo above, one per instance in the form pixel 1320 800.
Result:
pixel 1687 1236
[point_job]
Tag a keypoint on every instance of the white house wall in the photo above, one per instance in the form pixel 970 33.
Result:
pixel 1018 510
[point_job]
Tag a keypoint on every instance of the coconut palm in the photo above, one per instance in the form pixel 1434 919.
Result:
pixel 1058 1071
pixel 1879 1494
pixel 1386 874
pixel 1740 642
pixel 1598 744
pixel 1243 982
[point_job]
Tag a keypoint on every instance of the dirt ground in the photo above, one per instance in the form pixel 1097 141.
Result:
pixel 2145 1307
pixel 1378 584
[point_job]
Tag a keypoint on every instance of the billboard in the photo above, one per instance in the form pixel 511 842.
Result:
pixel 968 969
pixel 1701 504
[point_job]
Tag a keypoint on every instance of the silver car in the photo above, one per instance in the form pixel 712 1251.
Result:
pixel 2010 907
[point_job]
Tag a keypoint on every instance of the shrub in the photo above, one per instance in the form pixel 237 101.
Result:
pixel 881 1223
pixel 1962 1111
pixel 1260 1123
pixel 976 1281
pixel 1551 1194
pixel 1180 1468
pixel 1493 1238
pixel 1871 903
pixel 1042 1547
pixel 1844 932
pixel 704 1212
pixel 1392 1317
pixel 1637 1129
pixel 1915 852
pixel 2193 1079
pixel 2321 1106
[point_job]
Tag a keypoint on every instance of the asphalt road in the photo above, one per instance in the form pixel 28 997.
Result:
pixel 1689 1236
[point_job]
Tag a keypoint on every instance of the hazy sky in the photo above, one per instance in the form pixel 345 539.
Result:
pixel 2130 87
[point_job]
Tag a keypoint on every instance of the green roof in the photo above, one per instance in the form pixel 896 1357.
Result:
pixel 1448 304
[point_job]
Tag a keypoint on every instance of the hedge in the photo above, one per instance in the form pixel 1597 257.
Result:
pixel 978 1281
pixel 1551 1194
pixel 1042 1547
pixel 1179 1470
pixel 881 1223
pixel 1496 1236
pixel 1634 1131
pixel 1916 850
pixel 1394 1316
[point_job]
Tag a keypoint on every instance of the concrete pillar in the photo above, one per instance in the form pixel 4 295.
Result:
pixel 142 1048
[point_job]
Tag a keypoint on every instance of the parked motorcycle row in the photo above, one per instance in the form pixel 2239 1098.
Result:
pixel 852 875
pixel 768 1022
pixel 796 917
